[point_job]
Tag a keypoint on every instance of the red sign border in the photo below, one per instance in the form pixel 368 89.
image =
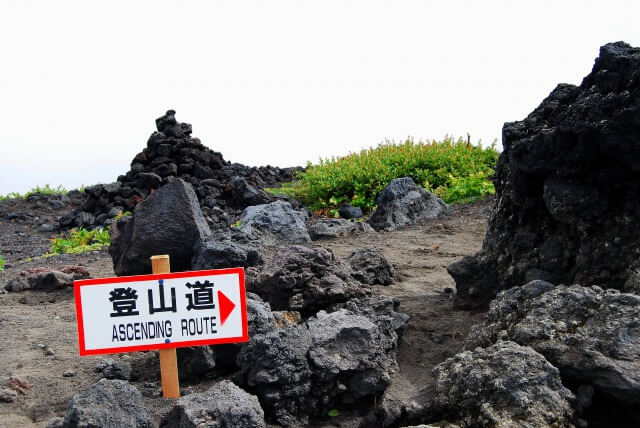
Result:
pixel 153 277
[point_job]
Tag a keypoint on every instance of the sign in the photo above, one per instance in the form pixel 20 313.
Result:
pixel 169 310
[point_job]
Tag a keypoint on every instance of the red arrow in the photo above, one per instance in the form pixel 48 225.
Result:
pixel 226 307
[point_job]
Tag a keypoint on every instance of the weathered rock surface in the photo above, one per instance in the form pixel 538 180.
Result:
pixel 108 404
pixel 370 267
pixel 567 192
pixel 304 370
pixel 114 369
pixel 403 203
pixel 168 222
pixel 224 249
pixel 195 362
pixel 46 279
pixel 171 152
pixel 275 223
pixel 305 279
pixel 592 335
pixel 504 385
pixel 335 227
pixel 224 405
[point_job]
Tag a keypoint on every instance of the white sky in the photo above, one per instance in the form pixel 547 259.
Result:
pixel 277 82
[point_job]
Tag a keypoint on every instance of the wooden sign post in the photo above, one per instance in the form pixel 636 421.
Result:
pixel 168 357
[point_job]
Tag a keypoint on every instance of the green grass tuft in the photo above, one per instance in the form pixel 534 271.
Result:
pixel 43 190
pixel 80 241
pixel 454 170
pixel 2 263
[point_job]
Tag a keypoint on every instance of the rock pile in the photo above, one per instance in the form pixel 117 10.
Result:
pixel 171 152
pixel 566 189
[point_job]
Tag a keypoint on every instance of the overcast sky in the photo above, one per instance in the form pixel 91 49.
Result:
pixel 277 82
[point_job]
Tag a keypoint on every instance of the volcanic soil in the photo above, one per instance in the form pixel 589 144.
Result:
pixel 39 349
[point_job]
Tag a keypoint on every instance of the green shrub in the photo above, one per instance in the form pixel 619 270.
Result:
pixel 44 190
pixel 456 170
pixel 1 263
pixel 80 241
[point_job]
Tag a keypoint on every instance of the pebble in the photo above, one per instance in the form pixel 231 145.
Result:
pixel 48 351
pixel 7 395
pixel 68 373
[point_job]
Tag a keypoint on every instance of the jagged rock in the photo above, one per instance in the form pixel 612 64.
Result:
pixel 44 279
pixel 335 227
pixel 504 385
pixel 108 404
pixel 305 279
pixel 403 203
pixel 114 369
pixel 275 223
pixel 592 335
pixel 224 249
pixel 370 267
pixel 349 211
pixel 304 370
pixel 242 194
pixel 171 153
pixel 566 189
pixel 167 222
pixel 195 362
pixel 224 405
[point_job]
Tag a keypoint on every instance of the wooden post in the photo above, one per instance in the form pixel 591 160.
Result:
pixel 168 359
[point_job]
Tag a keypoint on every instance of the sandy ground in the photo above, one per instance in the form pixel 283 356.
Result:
pixel 39 336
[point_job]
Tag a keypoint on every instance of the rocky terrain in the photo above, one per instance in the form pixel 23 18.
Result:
pixel 356 322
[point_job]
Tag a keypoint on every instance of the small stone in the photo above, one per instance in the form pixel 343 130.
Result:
pixel 68 373
pixel 7 395
pixel 48 351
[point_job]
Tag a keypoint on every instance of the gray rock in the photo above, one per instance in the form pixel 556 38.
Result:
pixel 226 249
pixel 305 279
pixel 195 362
pixel 114 369
pixel 504 385
pixel 242 194
pixel 370 266
pixel 84 220
pixel 40 279
pixel 275 223
pixel 349 211
pixel 335 227
pixel 108 404
pixel 224 405
pixel 591 335
pixel 167 222
pixel 303 370
pixel 149 180
pixel 403 203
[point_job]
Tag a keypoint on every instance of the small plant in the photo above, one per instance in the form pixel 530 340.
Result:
pixel 43 190
pixel 2 263
pixel 237 223
pixel 122 214
pixel 80 241
pixel 333 413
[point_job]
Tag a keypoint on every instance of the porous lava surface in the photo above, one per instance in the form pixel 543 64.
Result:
pixel 172 152
pixel 568 197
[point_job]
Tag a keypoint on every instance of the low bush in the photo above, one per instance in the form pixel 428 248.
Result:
pixel 43 190
pixel 80 241
pixel 454 170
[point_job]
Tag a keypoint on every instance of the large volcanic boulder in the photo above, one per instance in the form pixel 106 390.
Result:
pixel 275 223
pixel 172 152
pixel 403 203
pixel 592 335
pixel 167 222
pixel 502 386
pixel 305 370
pixel 226 248
pixel 566 189
pixel 305 279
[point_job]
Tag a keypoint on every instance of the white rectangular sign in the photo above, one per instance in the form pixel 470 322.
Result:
pixel 171 310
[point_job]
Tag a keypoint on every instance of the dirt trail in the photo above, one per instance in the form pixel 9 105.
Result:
pixel 35 324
